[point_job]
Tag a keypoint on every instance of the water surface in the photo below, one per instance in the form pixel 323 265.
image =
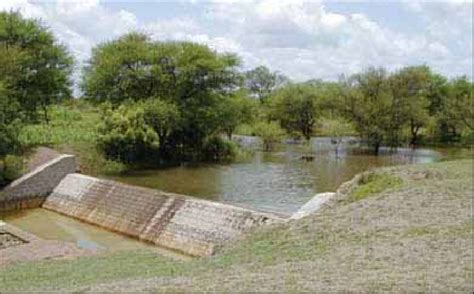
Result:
pixel 279 181
pixel 50 225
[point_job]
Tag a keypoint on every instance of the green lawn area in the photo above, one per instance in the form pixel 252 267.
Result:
pixel 415 235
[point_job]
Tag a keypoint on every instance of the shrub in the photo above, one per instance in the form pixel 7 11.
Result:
pixel 467 137
pixel 11 167
pixel 218 149
pixel 124 136
pixel 270 132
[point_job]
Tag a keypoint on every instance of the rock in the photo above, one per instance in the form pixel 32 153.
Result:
pixel 312 205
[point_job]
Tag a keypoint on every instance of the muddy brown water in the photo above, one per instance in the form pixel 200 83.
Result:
pixel 280 181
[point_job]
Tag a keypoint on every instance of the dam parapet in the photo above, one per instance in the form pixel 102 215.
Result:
pixel 31 189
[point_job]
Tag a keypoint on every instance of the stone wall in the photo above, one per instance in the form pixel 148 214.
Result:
pixel 193 226
pixel 31 189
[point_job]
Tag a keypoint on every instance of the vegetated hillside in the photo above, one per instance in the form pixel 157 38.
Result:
pixel 404 228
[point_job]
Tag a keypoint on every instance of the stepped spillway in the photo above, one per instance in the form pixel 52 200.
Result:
pixel 189 225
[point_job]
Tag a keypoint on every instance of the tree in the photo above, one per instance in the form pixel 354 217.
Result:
pixel 124 134
pixel 260 81
pixel 270 132
pixel 296 107
pixel 194 78
pixel 38 70
pixel 10 118
pixel 459 106
pixel 368 104
pixel 337 129
pixel 163 117
pixel 120 70
pixel 237 110
pixel 410 89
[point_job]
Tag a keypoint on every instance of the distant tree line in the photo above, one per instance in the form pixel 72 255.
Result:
pixel 173 101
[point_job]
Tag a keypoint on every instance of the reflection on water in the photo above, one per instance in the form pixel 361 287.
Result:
pixel 278 181
pixel 53 226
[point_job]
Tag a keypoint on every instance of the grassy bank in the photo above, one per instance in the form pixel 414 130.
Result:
pixel 72 129
pixel 406 228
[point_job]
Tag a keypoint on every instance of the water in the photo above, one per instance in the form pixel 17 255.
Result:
pixel 53 226
pixel 278 181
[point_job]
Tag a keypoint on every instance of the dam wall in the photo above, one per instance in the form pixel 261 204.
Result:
pixel 189 225
pixel 31 189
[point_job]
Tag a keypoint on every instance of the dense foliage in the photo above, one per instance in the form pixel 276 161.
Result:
pixel 297 108
pixel 125 135
pixel 35 68
pixel 34 73
pixel 193 82
pixel 407 107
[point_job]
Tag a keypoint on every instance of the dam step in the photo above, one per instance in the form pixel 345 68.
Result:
pixel 186 224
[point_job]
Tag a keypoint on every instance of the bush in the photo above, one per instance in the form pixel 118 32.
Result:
pixel 11 168
pixel 124 135
pixel 9 137
pixel 467 138
pixel 218 149
pixel 270 132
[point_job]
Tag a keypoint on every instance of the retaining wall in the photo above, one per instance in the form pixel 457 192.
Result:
pixel 193 226
pixel 31 189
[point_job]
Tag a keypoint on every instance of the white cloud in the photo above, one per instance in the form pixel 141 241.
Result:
pixel 301 39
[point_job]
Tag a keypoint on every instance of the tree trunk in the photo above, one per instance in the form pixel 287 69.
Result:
pixel 414 134
pixel 376 148
pixel 45 113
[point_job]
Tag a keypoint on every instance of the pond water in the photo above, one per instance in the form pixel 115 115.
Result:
pixel 279 181
pixel 53 226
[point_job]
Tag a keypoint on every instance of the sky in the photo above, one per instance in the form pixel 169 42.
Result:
pixel 301 39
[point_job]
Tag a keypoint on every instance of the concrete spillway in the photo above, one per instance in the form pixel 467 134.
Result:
pixel 193 226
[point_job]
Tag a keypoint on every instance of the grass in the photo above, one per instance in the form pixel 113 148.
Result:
pixel 72 129
pixel 374 183
pixel 418 237
pixel 90 270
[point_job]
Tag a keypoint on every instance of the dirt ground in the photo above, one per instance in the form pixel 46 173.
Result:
pixel 40 156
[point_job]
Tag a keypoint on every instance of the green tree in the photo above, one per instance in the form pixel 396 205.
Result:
pixel 163 117
pixel 235 111
pixel 459 106
pixel 120 70
pixel 10 122
pixel 270 132
pixel 194 78
pixel 260 81
pixel 410 89
pixel 368 104
pixel 38 67
pixel 296 107
pixel 124 134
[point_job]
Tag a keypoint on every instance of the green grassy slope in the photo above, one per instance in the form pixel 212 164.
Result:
pixel 414 235
pixel 73 130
